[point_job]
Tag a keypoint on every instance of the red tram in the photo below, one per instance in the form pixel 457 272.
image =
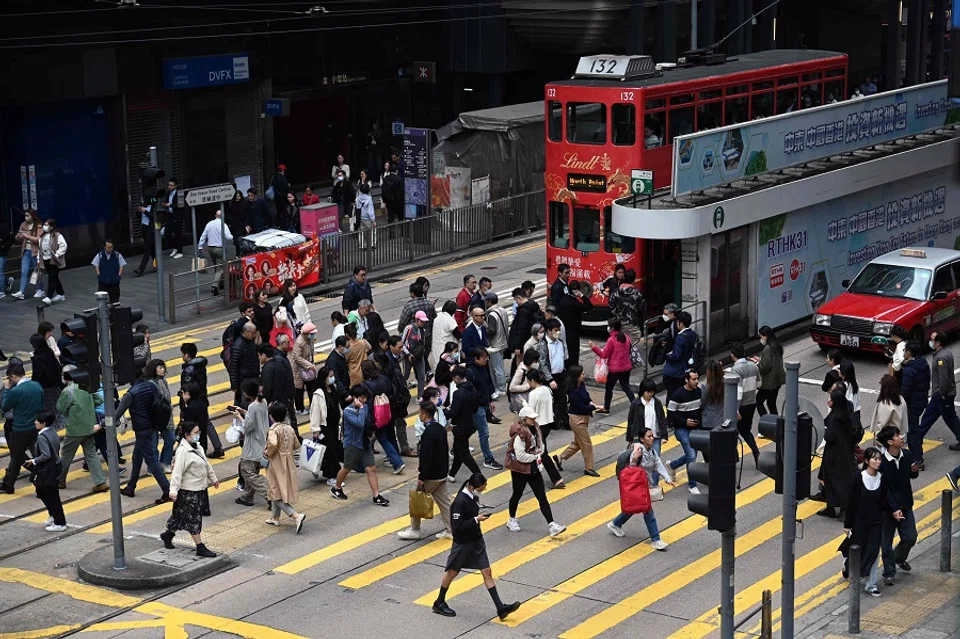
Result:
pixel 621 113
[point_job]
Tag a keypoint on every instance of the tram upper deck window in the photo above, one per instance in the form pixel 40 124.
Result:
pixel 654 118
pixel 556 122
pixel 761 104
pixel 586 123
pixel 614 242
pixel 586 229
pixel 559 225
pixel 738 105
pixel 834 86
pixel 681 115
pixel 624 118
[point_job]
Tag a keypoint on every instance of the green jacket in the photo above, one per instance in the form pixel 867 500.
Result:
pixel 25 400
pixel 77 405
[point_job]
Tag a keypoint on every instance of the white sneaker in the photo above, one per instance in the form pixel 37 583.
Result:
pixel 495 396
pixel 450 455
pixel 332 482
pixel 444 534
pixel 173 253
pixel 410 534
pixel 178 255
pixel 472 449
pixel 616 530
pixel 59 298
pixel 39 293
pixel 556 529
pixel 513 525
pixel 55 528
pixel 48 521
pixel 694 490
pixel 397 471
pixel 167 469
pixel 47 301
pixel 451 479
pixel 18 295
pixel 2 295
pixel 659 544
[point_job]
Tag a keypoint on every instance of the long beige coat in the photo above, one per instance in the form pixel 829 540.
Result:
pixel 282 480
pixel 301 358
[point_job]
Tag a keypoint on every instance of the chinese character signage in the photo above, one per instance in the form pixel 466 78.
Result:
pixel 722 155
pixel 804 256
pixel 416 161
pixel 269 270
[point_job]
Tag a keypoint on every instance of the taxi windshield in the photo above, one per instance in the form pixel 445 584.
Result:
pixel 891 280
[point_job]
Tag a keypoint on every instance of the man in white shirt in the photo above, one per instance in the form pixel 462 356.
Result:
pixel 212 238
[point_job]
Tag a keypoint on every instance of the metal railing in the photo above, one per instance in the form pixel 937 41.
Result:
pixel 698 312
pixel 193 290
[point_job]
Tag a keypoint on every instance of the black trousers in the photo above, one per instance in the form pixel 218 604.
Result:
pixel 461 455
pixel 113 290
pixel 535 481
pixel 623 378
pixel 54 287
pixel 745 427
pixel 560 419
pixel 50 496
pixel 209 434
pixel 770 398
pixel 19 442
pixel 547 460
pixel 149 248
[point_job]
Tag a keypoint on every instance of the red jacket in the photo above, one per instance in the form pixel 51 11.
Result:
pixel 463 301
pixel 311 199
pixel 616 353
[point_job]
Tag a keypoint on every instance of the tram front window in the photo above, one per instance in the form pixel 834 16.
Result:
pixel 614 242
pixel 586 229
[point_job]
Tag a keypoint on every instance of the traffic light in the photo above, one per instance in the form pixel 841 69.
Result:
pixel 151 186
pixel 719 505
pixel 125 340
pixel 771 463
pixel 85 351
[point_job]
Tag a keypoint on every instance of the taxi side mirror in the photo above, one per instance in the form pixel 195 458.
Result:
pixel 845 283
pixel 939 295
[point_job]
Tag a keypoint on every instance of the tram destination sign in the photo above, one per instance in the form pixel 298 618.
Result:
pixel 589 183
pixel 718 156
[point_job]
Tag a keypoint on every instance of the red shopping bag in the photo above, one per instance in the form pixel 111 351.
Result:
pixel 381 410
pixel 634 491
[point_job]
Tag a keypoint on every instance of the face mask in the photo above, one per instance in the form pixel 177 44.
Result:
pixel 666 318
pixel 931 345
pixel 311 336
pixel 346 349
pixel 46 228
pixel 195 438
pixel 763 340
pixel 339 178
pixel 331 381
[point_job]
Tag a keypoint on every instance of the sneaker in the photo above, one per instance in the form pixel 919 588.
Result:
pixel 888 581
pixel 694 490
pixel 243 502
pixel 48 521
pixel 513 525
pixel 332 482
pixel 39 293
pixel 337 493
pixel 472 449
pixel 450 455
pixel 616 530
pixel 167 469
pixel 409 534
pixel 300 519
pixel 121 470
pixel 173 253
pixel 55 528
pixel 444 534
pixel 659 544
pixel 953 482
pixel 380 500
pixel 555 528
pixel 178 255
pixel 2 295
pixel 905 565
pixel 873 592
pixel 46 300
pixel 397 471
pixel 451 479
pixel 303 412
pixel 495 465
pixel 495 396
pixel 101 488
pixel 217 454
pixel 18 295
pixel 58 298
pixel 273 522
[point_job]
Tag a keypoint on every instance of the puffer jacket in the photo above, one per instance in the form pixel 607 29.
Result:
pixel 916 383
pixel 616 353
pixel 678 359
pixel 195 372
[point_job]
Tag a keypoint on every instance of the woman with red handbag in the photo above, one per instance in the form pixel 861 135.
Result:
pixel 643 456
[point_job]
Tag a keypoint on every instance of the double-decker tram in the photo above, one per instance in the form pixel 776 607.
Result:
pixel 620 114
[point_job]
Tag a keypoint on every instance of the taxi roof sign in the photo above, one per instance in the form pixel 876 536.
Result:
pixel 913 252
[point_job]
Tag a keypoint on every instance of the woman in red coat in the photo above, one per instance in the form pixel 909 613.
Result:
pixel 617 353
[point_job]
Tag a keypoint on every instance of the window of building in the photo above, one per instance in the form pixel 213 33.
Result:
pixel 738 110
pixel 712 94
pixel 810 77
pixel 686 98
pixel 624 118
pixel 811 95
pixel 655 103
pixel 556 122
pixel 586 229
pixel 586 123
pixel 653 129
pixel 765 85
pixel 559 225
pixel 761 105
pixel 709 115
pixel 614 242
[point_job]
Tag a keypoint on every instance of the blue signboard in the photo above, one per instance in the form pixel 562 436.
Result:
pixel 277 107
pixel 956 14
pixel 416 159
pixel 208 71
pixel 717 156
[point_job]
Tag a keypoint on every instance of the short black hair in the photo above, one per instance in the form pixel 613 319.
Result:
pixel 46 417
pixel 358 268
pixel 359 391
pixel 737 350
pixel 143 328
pixel 647 385
pixel 341 342
pixel 551 324
pixel 467 278
pixel 192 388
pixel 416 289
pixel 244 307
pixel 250 388
pixel 394 340
pixel 835 356
pixel 690 371
pixel 429 408
pixel 485 280
pixel 886 434
pixel 518 292
pixel 252 190
pixel 915 349
pixel 265 349
pixel 189 348
pixel 278 411
pixel 458 371
pixel 563 268
pixel 684 318
pixel 172 179
pixel 629 276
pixel 479 352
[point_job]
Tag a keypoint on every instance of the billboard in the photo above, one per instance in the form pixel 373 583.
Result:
pixel 269 270
pixel 803 256
pixel 206 71
pixel 717 156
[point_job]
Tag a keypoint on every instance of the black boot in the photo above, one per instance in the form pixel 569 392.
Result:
pixel 203 551
pixel 167 537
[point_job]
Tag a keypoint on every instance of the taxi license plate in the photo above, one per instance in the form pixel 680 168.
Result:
pixel 850 340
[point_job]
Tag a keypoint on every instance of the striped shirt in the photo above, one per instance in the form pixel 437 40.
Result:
pixel 748 375
pixel 684 404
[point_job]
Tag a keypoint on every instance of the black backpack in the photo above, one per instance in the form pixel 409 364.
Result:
pixel 226 341
pixel 160 409
pixel 699 356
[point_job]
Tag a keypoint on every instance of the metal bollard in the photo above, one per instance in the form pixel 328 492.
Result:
pixel 853 623
pixel 766 616
pixel 41 313
pixel 946 528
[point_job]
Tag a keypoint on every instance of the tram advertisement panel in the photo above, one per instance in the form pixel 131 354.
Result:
pixel 804 256
pixel 269 270
pixel 722 155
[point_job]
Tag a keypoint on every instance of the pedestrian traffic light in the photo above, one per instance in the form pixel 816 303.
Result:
pixel 125 340
pixel 771 463
pixel 719 505
pixel 150 185
pixel 85 351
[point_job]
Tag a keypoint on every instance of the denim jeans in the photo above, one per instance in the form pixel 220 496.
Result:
pixel 483 433
pixel 937 408
pixel 388 448
pixel 27 263
pixel 648 518
pixel 496 372
pixel 907 527
pixel 689 454
pixel 657 442
pixel 169 437
pixel 145 450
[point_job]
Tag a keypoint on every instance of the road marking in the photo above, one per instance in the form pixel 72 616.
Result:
pixel 72 589
pixel 388 527
pixel 709 622
pixel 53 631
pixel 179 618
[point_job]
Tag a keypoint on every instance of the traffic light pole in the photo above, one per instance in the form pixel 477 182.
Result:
pixel 789 538
pixel 728 537
pixel 106 362
pixel 158 244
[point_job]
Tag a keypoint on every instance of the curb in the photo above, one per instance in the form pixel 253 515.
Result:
pixel 149 566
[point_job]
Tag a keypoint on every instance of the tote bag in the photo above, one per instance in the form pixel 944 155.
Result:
pixel 381 410
pixel 634 492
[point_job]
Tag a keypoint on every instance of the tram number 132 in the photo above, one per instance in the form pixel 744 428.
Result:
pixel 603 65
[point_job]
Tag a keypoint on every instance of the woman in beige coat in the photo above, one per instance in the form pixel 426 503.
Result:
pixel 282 482
pixel 304 370
pixel 891 408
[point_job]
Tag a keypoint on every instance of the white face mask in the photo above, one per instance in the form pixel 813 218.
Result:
pixel 931 344
pixel 331 381
pixel 46 228
pixel 763 340
pixel 195 438
pixel 666 318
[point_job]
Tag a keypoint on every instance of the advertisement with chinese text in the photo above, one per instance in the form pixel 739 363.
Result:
pixel 804 256
pixel 269 270
pixel 722 155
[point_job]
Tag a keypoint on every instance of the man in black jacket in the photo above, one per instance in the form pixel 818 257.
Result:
pixel 462 414
pixel 258 215
pixel 243 361
pixel 897 468
pixel 276 378
pixel 400 398
pixel 338 364
pixel 559 288
pixel 570 310
pixel 195 372
pixel 523 321
pixel 434 466
pixel 358 288
pixel 139 401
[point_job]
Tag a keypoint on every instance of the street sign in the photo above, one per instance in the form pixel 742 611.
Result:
pixel 641 182
pixel 210 194
pixel 398 127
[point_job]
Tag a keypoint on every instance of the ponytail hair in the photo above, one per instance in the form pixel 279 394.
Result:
pixel 614 324
pixel 476 480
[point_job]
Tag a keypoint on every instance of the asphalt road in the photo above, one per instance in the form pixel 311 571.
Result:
pixel 349 574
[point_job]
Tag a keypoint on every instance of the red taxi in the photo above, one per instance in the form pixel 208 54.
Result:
pixel 915 288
